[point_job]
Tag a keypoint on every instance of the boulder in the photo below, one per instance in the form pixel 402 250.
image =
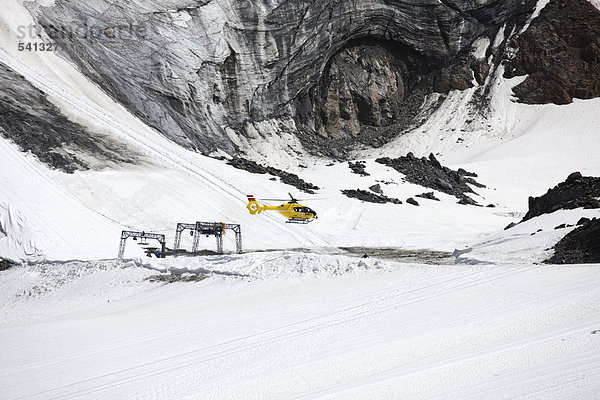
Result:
pixel 376 188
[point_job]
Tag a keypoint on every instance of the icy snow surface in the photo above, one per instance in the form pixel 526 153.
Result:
pixel 595 3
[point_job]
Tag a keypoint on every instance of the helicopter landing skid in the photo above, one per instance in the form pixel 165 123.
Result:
pixel 298 221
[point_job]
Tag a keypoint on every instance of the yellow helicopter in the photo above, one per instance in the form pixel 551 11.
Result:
pixel 294 212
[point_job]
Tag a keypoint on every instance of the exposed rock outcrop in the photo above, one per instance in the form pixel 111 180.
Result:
pixel 368 92
pixel 369 197
pixel 200 71
pixel 430 173
pixel 560 53
pixel 358 168
pixel 5 264
pixel 286 177
pixel 580 246
pixel 35 125
pixel 428 195
pixel 576 191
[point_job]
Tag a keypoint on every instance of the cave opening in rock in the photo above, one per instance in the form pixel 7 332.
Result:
pixel 369 91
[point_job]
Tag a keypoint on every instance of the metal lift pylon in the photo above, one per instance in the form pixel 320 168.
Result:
pixel 143 235
pixel 216 229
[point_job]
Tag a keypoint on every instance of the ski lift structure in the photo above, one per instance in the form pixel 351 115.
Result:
pixel 216 229
pixel 142 235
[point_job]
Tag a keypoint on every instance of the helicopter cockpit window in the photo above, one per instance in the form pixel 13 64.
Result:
pixel 303 210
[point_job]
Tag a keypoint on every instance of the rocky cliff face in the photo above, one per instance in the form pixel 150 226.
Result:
pixel 560 53
pixel 345 71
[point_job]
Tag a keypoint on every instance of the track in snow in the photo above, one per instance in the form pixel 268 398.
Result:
pixel 497 318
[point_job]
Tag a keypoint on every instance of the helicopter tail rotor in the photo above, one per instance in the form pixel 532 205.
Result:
pixel 253 205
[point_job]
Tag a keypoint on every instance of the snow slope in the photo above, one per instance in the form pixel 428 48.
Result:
pixel 381 331
pixel 523 151
pixel 176 186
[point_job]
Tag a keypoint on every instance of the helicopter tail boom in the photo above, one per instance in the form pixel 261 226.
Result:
pixel 253 205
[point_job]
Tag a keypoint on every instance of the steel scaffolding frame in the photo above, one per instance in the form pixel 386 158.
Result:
pixel 142 235
pixel 216 229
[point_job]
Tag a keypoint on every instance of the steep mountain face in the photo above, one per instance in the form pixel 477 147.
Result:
pixel 368 92
pixel 560 53
pixel 346 72
pixel 37 126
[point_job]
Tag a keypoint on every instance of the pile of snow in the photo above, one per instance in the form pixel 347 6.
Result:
pixel 270 265
pixel 46 289
pixel 16 235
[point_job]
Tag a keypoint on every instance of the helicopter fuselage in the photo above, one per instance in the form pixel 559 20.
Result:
pixel 293 211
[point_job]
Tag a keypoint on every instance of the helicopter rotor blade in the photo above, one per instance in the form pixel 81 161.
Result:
pixel 274 199
pixel 318 198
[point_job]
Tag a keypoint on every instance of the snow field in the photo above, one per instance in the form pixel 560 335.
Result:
pixel 402 331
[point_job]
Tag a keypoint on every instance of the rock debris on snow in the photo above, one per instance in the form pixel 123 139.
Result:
pixel 369 197
pixel 286 177
pixel 430 173
pixel 5 264
pixel 428 195
pixel 358 168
